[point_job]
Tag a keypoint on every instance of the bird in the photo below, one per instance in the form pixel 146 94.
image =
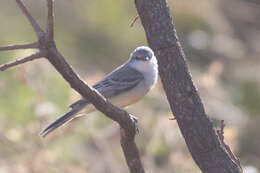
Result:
pixel 124 86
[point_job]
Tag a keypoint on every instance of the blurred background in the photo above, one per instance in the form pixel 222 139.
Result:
pixel 221 40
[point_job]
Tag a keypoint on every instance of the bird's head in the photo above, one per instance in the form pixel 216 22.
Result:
pixel 142 53
pixel 143 59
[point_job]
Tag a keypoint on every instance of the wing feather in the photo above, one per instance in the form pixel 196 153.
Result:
pixel 118 81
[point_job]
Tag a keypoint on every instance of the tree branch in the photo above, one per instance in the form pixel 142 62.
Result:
pixel 131 151
pixel 21 61
pixel 200 136
pixel 39 32
pixel 50 20
pixel 125 120
pixel 48 49
pixel 20 46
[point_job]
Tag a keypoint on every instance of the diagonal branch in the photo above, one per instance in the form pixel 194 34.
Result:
pixel 20 46
pixel 50 20
pixel 21 61
pixel 128 129
pixel 39 32
pixel 49 51
pixel 183 97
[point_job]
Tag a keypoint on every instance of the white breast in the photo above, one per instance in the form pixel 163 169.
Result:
pixel 149 69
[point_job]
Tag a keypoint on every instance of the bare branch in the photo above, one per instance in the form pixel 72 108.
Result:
pixel 39 32
pixel 131 153
pixel 125 120
pixel 120 116
pixel 21 61
pixel 20 46
pixel 50 20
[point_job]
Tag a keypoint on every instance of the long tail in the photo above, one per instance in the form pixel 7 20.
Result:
pixel 59 122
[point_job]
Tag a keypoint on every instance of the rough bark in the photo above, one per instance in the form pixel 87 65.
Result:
pixel 200 136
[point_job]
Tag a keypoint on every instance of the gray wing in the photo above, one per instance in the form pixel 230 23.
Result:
pixel 120 80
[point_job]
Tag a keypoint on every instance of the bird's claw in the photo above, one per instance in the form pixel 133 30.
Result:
pixel 135 121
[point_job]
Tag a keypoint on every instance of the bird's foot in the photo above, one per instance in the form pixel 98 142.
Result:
pixel 135 121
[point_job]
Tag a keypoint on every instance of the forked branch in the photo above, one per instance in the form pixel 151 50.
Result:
pixel 47 48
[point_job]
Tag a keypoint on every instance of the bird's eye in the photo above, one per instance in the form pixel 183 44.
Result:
pixel 143 58
pixel 146 58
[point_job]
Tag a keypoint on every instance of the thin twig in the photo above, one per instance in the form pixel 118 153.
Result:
pixel 39 32
pixel 20 46
pixel 21 61
pixel 134 20
pixel 50 20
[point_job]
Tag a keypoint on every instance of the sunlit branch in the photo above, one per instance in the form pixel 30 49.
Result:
pixel 20 46
pixel 21 61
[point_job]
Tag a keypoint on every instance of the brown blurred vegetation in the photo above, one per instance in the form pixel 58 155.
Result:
pixel 221 40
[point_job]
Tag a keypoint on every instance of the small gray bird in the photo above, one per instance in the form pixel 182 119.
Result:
pixel 124 86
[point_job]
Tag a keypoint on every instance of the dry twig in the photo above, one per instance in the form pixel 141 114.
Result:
pixel 21 61
pixel 20 46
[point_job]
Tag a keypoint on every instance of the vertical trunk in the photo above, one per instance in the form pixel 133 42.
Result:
pixel 201 138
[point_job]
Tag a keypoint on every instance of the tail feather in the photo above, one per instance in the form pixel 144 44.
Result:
pixel 59 122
